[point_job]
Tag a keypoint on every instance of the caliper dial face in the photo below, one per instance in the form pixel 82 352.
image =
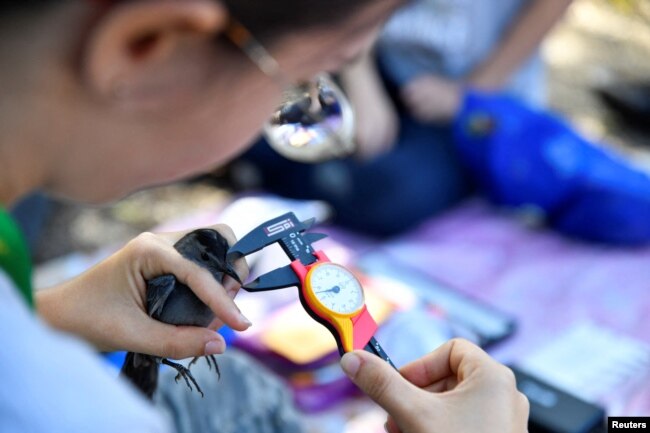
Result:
pixel 336 288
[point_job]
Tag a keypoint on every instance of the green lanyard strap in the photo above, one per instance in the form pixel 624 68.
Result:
pixel 14 256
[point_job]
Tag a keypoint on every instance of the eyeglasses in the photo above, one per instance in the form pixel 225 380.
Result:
pixel 314 122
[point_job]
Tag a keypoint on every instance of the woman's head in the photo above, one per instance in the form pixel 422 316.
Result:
pixel 100 98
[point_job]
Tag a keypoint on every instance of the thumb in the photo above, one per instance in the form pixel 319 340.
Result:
pixel 380 381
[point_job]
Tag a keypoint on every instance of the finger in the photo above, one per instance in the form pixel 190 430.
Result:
pixel 178 342
pixel 391 425
pixel 213 295
pixel 444 385
pixel 158 258
pixel 381 382
pixel 456 358
pixel 231 287
pixel 216 324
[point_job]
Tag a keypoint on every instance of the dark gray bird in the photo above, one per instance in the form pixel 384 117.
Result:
pixel 171 301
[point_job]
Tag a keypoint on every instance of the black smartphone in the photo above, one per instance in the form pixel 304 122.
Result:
pixel 555 411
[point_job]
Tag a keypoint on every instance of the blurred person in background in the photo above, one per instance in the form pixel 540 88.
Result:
pixel 102 98
pixel 405 95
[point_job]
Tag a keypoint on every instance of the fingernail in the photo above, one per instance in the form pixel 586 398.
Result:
pixel 350 364
pixel 245 320
pixel 214 347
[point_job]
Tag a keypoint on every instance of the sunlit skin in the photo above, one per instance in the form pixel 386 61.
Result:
pixel 182 106
pixel 95 106
pixel 99 103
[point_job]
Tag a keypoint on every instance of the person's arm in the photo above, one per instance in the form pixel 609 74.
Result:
pixel 457 388
pixel 377 123
pixel 106 304
pixel 521 40
pixel 431 99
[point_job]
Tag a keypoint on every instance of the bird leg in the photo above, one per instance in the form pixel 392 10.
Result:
pixel 184 373
pixel 211 360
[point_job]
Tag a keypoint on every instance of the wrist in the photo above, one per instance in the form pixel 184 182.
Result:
pixel 61 308
pixel 48 305
pixel 54 307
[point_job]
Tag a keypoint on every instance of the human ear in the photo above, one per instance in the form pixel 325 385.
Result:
pixel 147 53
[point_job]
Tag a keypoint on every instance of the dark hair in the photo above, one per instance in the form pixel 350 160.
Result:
pixel 264 18
pixel 269 18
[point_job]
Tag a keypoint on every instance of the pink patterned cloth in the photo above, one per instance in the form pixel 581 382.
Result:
pixel 535 273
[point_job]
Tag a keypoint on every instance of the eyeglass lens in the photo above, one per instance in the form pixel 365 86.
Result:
pixel 315 122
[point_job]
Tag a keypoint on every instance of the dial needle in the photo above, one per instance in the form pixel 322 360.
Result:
pixel 334 289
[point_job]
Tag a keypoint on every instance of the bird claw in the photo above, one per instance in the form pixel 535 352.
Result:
pixel 211 360
pixel 184 373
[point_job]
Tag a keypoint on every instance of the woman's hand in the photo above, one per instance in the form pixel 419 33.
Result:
pixel 432 99
pixel 456 389
pixel 106 305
